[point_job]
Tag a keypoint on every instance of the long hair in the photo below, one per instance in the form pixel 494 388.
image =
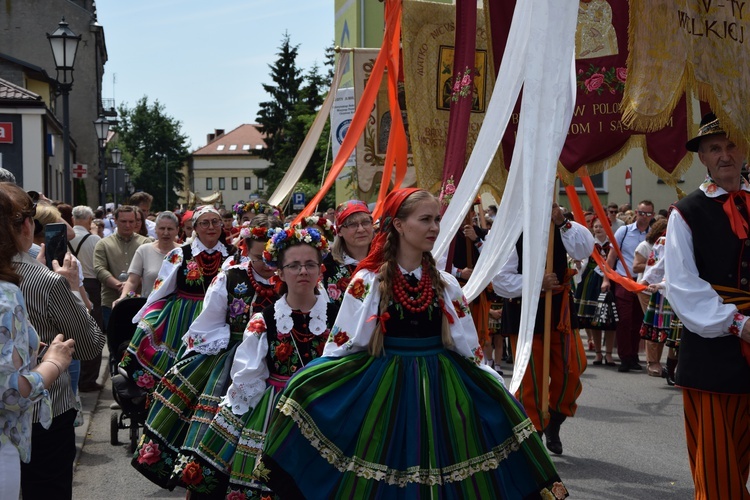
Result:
pixel 15 207
pixel 389 268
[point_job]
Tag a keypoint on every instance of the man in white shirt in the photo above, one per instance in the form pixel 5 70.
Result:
pixel 629 308
pixel 707 268
pixel 566 363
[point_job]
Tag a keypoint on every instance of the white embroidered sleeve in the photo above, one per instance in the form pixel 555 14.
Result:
pixel 357 317
pixel 249 369
pixel 209 333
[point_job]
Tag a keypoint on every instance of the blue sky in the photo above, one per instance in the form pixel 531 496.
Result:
pixel 206 61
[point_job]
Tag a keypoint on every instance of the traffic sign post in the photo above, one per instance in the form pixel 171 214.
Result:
pixel 629 185
pixel 298 201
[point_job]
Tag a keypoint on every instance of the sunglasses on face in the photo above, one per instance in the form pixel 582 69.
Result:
pixel 647 214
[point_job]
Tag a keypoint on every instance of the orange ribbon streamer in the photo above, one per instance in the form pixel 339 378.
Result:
pixel 626 282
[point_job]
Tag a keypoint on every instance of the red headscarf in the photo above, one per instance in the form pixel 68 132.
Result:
pixel 392 203
pixel 348 208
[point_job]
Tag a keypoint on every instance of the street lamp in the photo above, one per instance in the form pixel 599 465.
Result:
pixel 64 44
pixel 101 125
pixel 116 158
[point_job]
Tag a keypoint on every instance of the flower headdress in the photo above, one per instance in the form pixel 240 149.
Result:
pixel 320 223
pixel 256 207
pixel 251 232
pixel 306 232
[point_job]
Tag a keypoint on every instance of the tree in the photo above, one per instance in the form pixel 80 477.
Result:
pixel 276 112
pixel 154 150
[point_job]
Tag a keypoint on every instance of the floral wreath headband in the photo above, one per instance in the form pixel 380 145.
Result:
pixel 256 207
pixel 314 231
pixel 256 233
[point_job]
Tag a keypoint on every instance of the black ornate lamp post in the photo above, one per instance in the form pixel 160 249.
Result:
pixel 101 125
pixel 64 44
pixel 113 174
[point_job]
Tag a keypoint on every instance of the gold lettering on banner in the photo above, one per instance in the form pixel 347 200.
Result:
pixel 421 56
pixel 580 128
pixel 710 28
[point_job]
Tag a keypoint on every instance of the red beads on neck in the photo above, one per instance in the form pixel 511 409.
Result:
pixel 260 290
pixel 415 299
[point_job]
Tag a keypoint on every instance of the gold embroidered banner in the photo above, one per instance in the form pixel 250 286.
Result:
pixel 679 44
pixel 373 143
pixel 428 32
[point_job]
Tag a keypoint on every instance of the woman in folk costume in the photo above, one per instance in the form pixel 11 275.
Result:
pixel 277 343
pixel 246 212
pixel 188 396
pixel 175 302
pixel 400 406
pixel 354 232
pixel 659 322
pixel 587 299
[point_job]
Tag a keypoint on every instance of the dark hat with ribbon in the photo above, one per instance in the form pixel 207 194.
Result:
pixel 709 126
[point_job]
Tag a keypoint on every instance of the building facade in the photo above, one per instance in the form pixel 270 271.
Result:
pixel 228 164
pixel 23 29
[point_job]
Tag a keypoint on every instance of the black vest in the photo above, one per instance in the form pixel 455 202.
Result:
pixel 511 321
pixel 717 364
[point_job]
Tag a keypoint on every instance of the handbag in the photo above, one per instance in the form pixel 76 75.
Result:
pixel 605 315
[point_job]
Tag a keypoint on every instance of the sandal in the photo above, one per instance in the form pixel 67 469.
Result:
pixel 599 358
pixel 654 368
pixel 608 360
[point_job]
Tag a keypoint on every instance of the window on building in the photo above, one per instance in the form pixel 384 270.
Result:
pixel 220 147
pixel 248 183
pixel 599 181
pixel 261 184
pixel 234 184
pixel 222 184
pixel 232 147
pixel 209 184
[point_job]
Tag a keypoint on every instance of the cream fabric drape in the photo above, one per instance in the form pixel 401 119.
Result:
pixel 540 56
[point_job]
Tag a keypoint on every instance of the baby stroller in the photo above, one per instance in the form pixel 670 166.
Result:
pixel 130 397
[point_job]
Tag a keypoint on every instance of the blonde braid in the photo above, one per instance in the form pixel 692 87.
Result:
pixel 439 284
pixel 385 274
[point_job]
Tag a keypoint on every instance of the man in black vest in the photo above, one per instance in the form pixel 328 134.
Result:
pixel 567 356
pixel 707 265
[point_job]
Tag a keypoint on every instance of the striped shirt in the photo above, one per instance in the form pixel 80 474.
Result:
pixel 54 309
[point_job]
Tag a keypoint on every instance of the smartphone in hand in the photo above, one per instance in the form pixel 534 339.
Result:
pixel 55 243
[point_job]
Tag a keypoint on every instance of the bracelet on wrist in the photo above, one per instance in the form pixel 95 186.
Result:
pixel 59 368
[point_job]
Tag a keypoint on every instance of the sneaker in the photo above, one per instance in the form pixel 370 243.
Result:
pixel 499 370
pixel 624 367
pixel 114 406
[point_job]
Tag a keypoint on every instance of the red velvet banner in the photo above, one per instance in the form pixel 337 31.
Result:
pixel 596 132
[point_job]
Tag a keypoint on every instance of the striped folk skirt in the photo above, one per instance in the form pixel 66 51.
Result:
pixel 183 406
pixel 419 421
pixel 658 319
pixel 157 342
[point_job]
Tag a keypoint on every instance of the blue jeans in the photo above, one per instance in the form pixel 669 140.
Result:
pixel 106 313
pixel 75 373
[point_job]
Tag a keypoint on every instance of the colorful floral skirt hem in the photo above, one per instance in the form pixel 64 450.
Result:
pixel 418 421
pixel 157 342
pixel 183 406
pixel 657 320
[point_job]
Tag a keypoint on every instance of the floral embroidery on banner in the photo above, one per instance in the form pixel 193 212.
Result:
pixel 598 79
pixel 463 84
pixel 447 191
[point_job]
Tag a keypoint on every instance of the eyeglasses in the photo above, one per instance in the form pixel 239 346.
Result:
pixel 208 223
pixel 647 214
pixel 365 224
pixel 612 211
pixel 296 267
pixel 256 260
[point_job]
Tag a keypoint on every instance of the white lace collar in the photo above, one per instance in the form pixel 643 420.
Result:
pixel 350 261
pixel 282 313
pixel 197 246
pixel 417 272
pixel 258 277
pixel 712 190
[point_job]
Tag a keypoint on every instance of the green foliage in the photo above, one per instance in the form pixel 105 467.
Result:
pixel 153 148
pixel 287 116
pixel 311 189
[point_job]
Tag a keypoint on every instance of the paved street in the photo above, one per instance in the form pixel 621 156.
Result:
pixel 626 442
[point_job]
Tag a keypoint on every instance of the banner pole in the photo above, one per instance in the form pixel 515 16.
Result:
pixel 548 318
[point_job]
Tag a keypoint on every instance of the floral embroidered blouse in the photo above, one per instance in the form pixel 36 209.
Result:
pixel 168 279
pixel 358 316
pixel 337 276
pixel 277 343
pixel 19 344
